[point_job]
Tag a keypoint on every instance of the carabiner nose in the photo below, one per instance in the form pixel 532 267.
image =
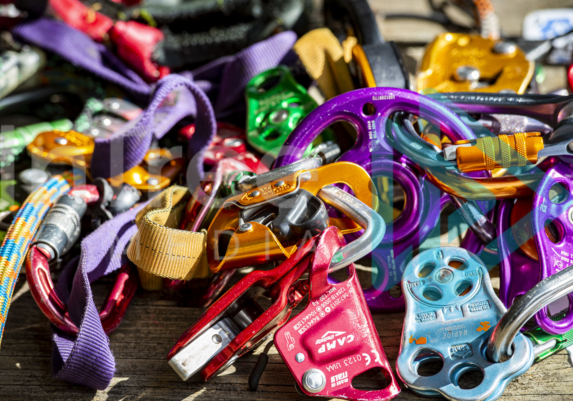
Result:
pixel 499 348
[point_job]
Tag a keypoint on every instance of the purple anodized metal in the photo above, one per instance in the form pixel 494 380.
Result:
pixel 518 273
pixel 368 110
pixel 554 256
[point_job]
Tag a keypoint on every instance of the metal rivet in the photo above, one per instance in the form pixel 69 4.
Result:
pixel 233 142
pixel 444 276
pixel 152 181
pixel 313 380
pixel 571 215
pixel 217 339
pixel 246 227
pixel 279 116
pixel 254 194
pixel 504 47
pixel 467 73
pixel 299 357
pixel 61 141
pixel 279 184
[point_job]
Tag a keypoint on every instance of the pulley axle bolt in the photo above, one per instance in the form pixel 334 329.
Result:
pixel 313 380
pixel 279 184
pixel 254 194
pixel 299 357
pixel 279 116
pixel 467 73
pixel 246 227
pixel 504 47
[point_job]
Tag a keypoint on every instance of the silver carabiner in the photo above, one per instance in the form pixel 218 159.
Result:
pixel 372 223
pixel 499 348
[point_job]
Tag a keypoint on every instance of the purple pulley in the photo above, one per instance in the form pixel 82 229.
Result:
pixel 553 204
pixel 518 273
pixel 368 110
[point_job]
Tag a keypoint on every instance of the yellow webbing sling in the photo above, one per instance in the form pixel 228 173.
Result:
pixel 159 249
pixel 323 58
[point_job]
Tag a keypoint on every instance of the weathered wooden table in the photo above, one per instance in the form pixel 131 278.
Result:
pixel 155 321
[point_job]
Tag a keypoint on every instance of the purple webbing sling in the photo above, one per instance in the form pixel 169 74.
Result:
pixel 88 360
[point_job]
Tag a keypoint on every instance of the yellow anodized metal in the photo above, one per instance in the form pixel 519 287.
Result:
pixel 456 62
pixel 72 148
pixel 258 244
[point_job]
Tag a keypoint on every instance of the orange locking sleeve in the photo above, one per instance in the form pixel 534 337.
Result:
pixel 504 151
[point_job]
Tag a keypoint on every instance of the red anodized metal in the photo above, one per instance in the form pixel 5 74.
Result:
pixel 335 333
pixel 570 77
pixel 285 292
pixel 42 287
pixel 83 18
pixel 229 143
pixel 134 44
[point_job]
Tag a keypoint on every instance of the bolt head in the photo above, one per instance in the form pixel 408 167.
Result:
pixel 571 215
pixel 233 142
pixel 467 73
pixel 246 227
pixel 279 184
pixel 61 141
pixel 152 181
pixel 504 47
pixel 279 116
pixel 444 276
pixel 299 357
pixel 313 380
pixel 254 194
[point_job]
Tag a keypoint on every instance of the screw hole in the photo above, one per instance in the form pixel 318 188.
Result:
pixel 458 264
pixel 372 380
pixel 428 363
pixel 395 292
pixel 269 83
pixel 463 288
pixel 272 135
pixel 432 294
pixel 554 231
pixel 368 109
pixel 426 270
pixel 467 377
pixel 558 193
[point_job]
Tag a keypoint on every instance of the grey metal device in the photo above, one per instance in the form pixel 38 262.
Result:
pixel 198 352
pixel 450 311
pixel 542 294
pixel 324 153
pixel 190 360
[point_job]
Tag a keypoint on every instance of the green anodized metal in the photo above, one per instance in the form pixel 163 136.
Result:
pixel 12 143
pixel 540 337
pixel 230 180
pixel 276 104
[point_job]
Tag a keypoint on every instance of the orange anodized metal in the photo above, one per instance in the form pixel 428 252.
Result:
pixel 503 151
pixel 155 173
pixel 456 62
pixel 258 244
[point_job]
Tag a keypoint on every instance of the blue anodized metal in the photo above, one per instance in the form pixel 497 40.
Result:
pixel 451 309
